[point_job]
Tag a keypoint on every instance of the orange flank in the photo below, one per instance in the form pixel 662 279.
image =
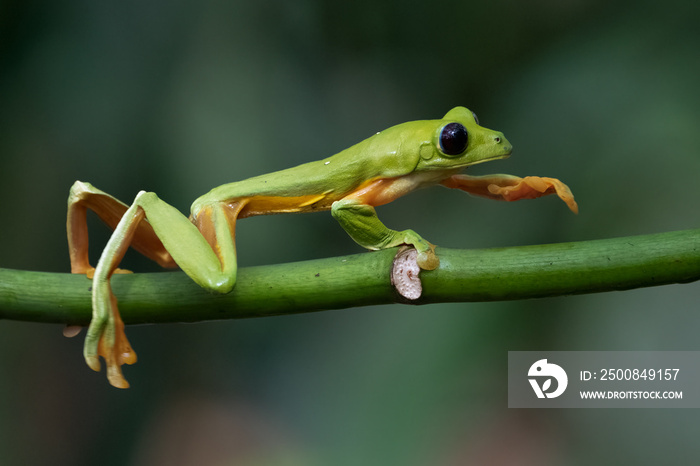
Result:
pixel 264 205
pixel 374 192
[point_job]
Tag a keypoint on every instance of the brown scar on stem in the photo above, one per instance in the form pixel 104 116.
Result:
pixel 405 274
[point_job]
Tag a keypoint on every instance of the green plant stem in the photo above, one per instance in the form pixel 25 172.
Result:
pixel 363 279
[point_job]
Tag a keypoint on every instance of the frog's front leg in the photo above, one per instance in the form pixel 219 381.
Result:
pixel 512 188
pixel 204 251
pixel 360 221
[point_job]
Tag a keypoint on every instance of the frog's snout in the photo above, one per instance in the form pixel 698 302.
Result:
pixel 500 140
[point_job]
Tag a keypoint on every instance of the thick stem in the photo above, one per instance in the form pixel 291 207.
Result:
pixel 364 279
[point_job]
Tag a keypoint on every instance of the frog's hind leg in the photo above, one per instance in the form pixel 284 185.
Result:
pixel 84 196
pixel 204 250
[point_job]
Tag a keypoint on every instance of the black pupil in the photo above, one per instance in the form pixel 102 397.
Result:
pixel 453 139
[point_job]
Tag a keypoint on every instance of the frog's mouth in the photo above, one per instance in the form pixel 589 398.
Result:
pixel 493 157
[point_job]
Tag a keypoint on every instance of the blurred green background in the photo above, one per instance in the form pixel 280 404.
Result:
pixel 178 97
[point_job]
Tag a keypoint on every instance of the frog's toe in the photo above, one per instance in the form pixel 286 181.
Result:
pixel 114 347
pixel 428 260
pixel 106 338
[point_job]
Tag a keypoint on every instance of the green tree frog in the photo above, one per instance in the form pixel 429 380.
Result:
pixel 350 184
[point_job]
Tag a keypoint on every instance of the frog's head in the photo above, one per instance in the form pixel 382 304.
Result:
pixel 458 141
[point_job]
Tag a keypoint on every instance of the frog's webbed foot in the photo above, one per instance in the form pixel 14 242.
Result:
pixel 106 338
pixel 532 187
pixel 512 188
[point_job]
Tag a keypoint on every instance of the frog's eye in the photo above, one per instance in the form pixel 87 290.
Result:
pixel 476 118
pixel 453 139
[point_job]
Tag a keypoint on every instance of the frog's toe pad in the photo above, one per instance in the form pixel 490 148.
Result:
pixel 428 260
